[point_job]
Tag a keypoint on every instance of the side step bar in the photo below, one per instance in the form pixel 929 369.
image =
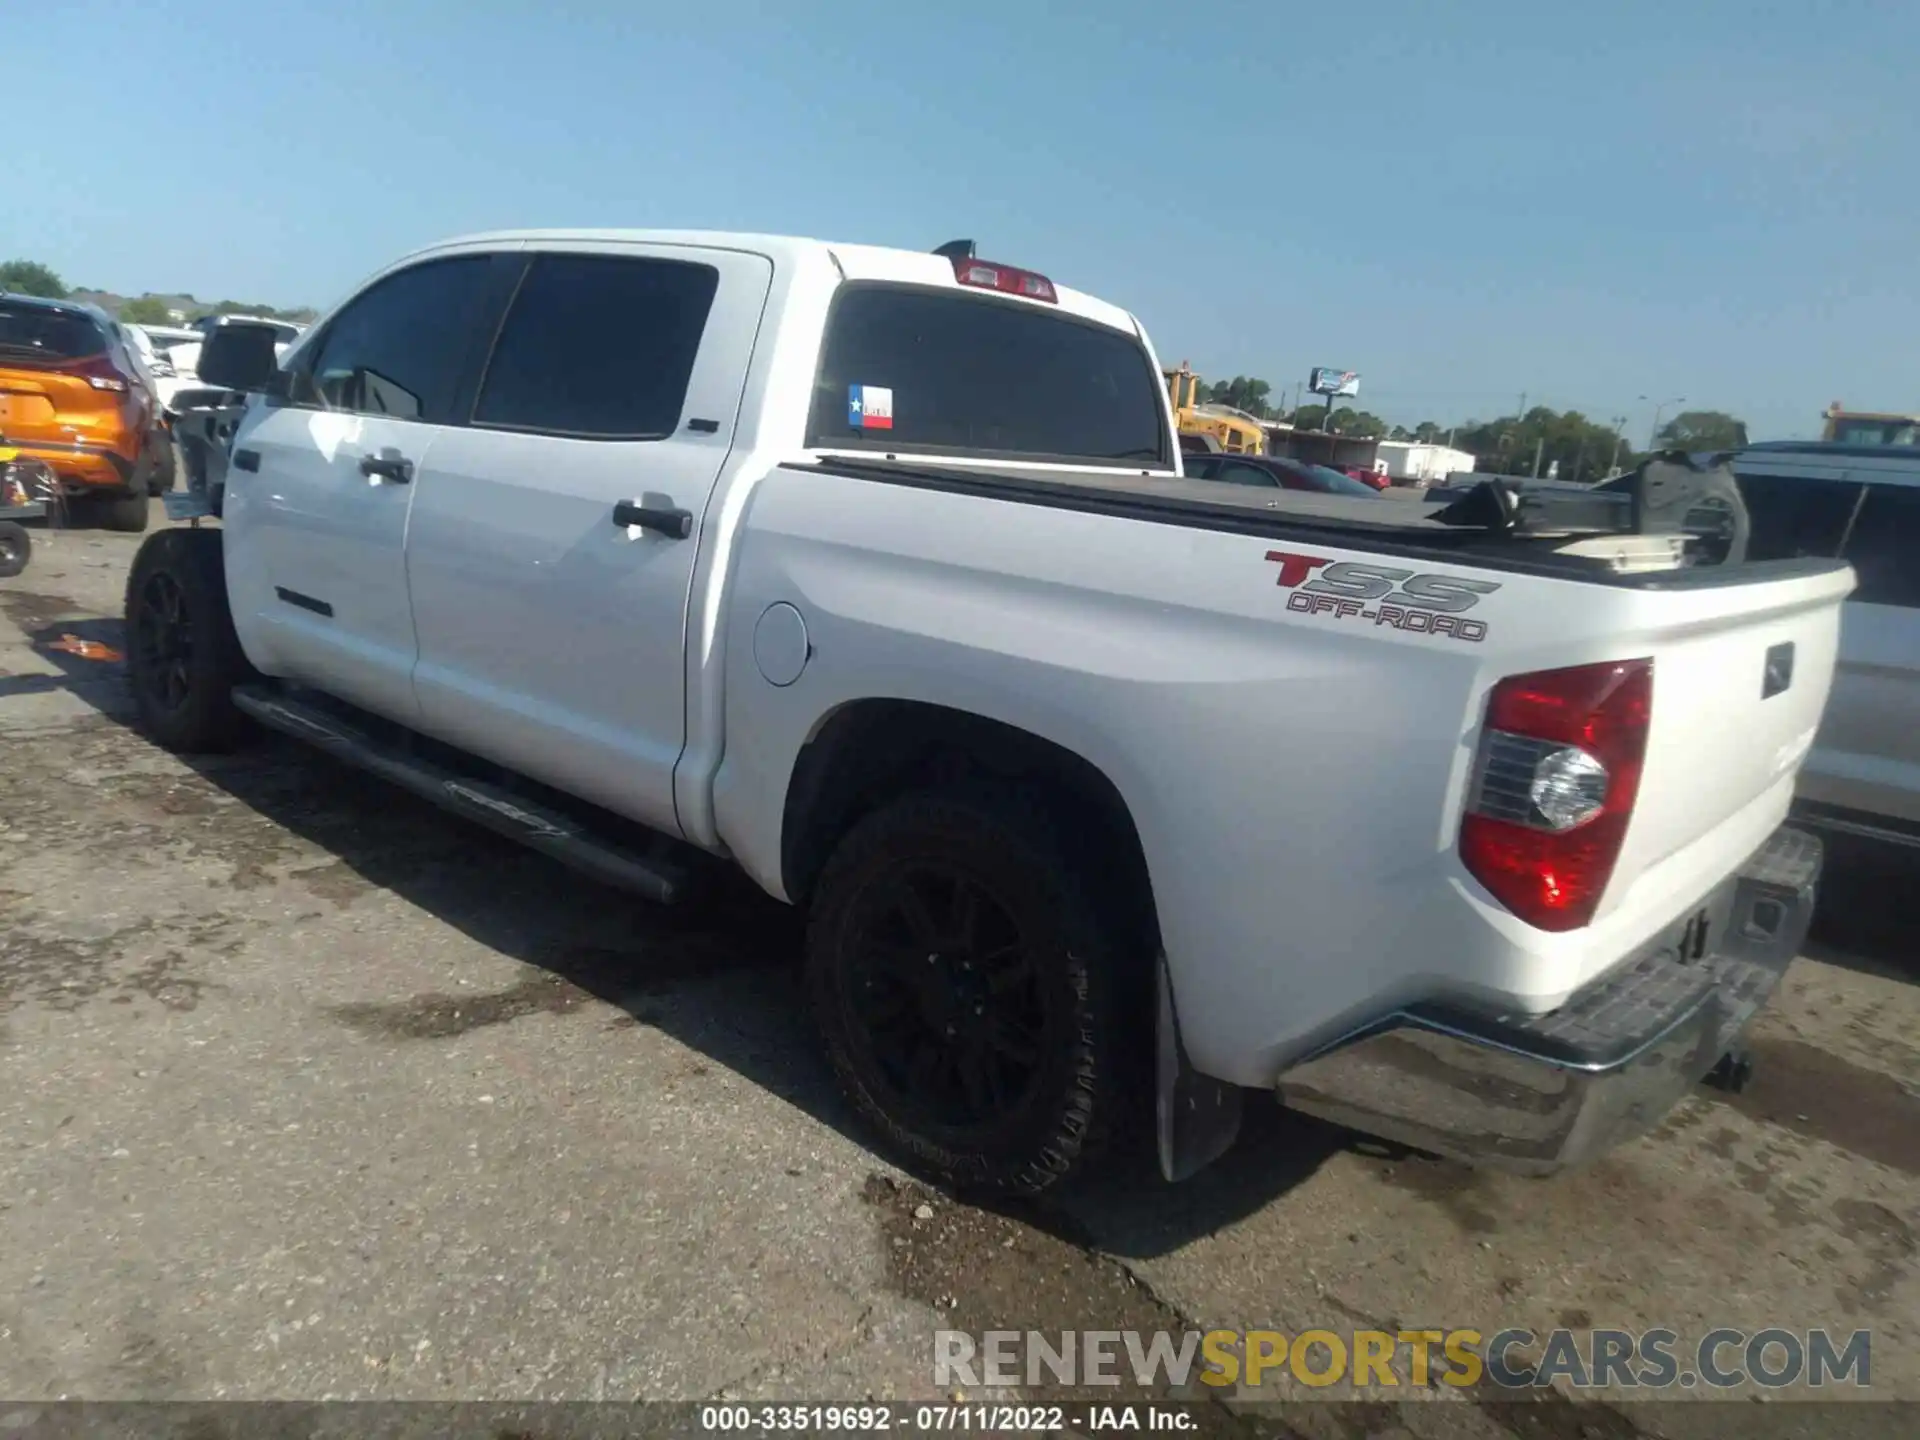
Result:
pixel 532 825
pixel 1836 821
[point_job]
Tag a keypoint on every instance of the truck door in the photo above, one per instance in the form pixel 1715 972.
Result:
pixel 553 539
pixel 1868 752
pixel 320 481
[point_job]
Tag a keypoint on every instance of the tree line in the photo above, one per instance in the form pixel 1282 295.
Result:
pixel 1534 443
pixel 30 277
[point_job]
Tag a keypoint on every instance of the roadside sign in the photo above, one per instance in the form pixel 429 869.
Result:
pixel 1324 380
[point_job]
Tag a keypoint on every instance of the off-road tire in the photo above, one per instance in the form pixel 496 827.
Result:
pixel 16 548
pixel 190 710
pixel 166 467
pixel 126 513
pixel 1080 956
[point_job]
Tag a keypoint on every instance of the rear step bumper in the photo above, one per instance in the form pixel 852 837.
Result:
pixel 533 825
pixel 1537 1093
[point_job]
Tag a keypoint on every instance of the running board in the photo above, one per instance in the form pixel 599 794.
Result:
pixel 534 826
pixel 1851 822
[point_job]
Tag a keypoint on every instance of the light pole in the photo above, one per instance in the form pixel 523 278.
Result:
pixel 1619 439
pixel 1653 436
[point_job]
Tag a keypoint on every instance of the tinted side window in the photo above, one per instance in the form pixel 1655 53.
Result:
pixel 397 349
pixel 1792 518
pixel 1884 547
pixel 598 346
pixel 937 370
pixel 1200 467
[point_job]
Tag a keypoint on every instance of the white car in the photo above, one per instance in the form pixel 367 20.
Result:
pixel 874 574
pixel 203 415
pixel 1860 503
pixel 170 354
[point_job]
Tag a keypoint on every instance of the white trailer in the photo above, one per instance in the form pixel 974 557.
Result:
pixel 1409 461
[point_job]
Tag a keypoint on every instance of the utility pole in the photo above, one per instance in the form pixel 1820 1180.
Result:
pixel 1653 436
pixel 1539 448
pixel 1522 411
pixel 1619 439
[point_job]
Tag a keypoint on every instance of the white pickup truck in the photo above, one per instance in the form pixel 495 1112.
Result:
pixel 874 573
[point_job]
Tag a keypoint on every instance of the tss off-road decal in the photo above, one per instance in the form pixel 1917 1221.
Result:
pixel 1385 594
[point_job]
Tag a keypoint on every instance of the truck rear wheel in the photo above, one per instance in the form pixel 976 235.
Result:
pixel 968 987
pixel 183 657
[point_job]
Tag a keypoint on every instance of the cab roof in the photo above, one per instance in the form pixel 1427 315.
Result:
pixel 855 262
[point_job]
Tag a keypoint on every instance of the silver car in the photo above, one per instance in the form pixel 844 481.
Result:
pixel 1862 503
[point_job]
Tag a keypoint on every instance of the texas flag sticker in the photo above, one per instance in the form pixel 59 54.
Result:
pixel 869 407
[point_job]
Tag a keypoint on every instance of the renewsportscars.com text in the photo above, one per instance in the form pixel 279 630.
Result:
pixel 1384 1359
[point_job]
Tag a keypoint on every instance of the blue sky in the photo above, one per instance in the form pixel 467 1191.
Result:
pixel 1716 199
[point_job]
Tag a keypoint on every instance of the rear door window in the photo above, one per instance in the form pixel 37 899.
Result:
pixel 42 335
pixel 599 347
pixel 1884 547
pixel 1793 518
pixel 1238 472
pixel 940 372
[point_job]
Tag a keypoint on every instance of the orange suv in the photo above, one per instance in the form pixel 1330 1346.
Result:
pixel 71 395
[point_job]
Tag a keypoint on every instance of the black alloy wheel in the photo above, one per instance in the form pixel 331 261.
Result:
pixel 163 643
pixel 946 999
pixel 183 657
pixel 972 981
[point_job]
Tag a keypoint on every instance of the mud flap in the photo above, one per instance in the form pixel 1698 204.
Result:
pixel 1196 1116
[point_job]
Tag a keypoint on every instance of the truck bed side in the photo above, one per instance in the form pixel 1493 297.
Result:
pixel 1295 771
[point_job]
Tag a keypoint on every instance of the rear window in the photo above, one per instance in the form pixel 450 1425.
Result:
pixel 37 333
pixel 1792 518
pixel 936 372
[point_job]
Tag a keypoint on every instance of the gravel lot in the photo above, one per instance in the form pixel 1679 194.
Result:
pixel 307 1091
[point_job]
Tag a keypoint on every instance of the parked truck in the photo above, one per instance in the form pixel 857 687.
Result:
pixel 874 574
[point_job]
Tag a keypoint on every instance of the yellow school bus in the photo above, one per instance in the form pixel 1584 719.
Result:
pixel 1869 427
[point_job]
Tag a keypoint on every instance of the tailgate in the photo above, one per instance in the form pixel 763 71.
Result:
pixel 1741 674
pixel 25 406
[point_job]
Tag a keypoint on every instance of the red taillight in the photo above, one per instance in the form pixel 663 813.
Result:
pixel 100 372
pixel 1553 790
pixel 986 275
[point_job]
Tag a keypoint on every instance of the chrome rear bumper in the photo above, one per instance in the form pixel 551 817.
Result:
pixel 1537 1093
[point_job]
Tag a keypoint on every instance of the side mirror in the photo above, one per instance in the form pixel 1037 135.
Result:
pixel 239 355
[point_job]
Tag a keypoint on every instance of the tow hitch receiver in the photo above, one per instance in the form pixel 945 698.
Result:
pixel 1731 1073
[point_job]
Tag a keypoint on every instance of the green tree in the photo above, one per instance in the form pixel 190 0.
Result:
pixel 1346 421
pixel 147 310
pixel 1428 432
pixel 1516 444
pixel 1243 392
pixel 1704 430
pixel 300 315
pixel 30 277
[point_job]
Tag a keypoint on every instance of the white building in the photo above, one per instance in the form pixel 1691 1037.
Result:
pixel 1428 464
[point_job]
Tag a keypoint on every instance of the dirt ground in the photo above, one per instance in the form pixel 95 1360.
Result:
pixel 308 1091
